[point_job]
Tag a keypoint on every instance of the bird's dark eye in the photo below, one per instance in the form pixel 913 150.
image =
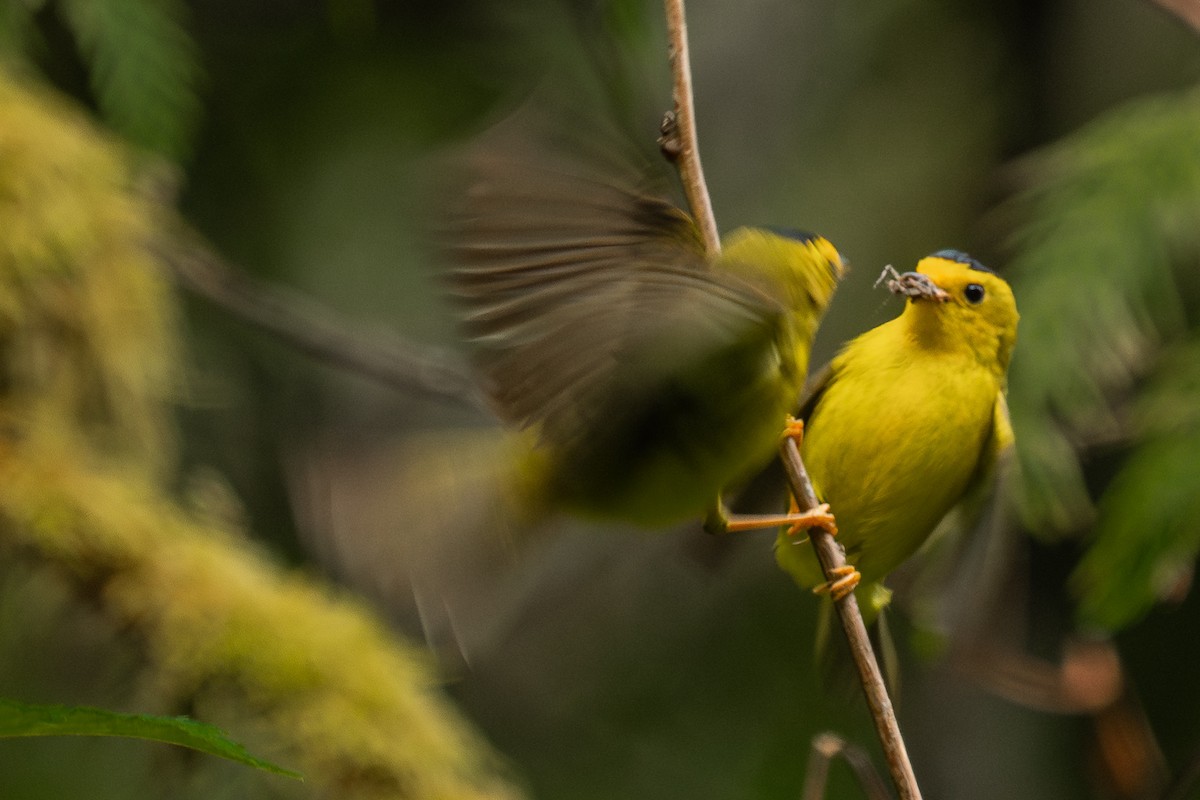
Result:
pixel 974 293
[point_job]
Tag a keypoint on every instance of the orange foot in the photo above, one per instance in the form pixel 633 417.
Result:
pixel 847 580
pixel 819 517
pixel 794 429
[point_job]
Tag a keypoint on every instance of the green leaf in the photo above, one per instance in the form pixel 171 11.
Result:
pixel 22 719
pixel 144 68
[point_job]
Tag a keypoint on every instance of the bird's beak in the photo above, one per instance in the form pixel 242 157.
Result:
pixel 913 285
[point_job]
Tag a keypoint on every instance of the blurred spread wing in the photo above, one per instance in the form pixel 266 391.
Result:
pixel 572 272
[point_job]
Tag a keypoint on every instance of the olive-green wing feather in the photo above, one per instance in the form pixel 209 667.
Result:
pixel 572 272
pixel 762 493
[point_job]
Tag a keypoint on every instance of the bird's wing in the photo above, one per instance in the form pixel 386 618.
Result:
pixel 997 450
pixel 569 269
pixel 763 491
pixel 968 556
pixel 816 386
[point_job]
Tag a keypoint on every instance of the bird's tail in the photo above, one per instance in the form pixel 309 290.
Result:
pixel 428 528
pixel 833 655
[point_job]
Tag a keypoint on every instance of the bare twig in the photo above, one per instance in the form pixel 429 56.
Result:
pixel 831 556
pixel 687 156
pixel 828 746
pixel 681 146
pixel 316 331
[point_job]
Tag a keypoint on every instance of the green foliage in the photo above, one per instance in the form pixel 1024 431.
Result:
pixel 23 719
pixel 144 67
pixel 1147 537
pixel 1111 236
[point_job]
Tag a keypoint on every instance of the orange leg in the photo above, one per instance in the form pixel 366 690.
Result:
pixel 847 576
pixel 847 580
pixel 720 521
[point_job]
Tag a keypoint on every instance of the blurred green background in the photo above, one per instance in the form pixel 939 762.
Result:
pixel 310 140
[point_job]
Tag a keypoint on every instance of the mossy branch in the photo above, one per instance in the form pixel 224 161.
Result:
pixel 90 354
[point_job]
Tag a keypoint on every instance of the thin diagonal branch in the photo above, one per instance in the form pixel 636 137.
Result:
pixel 831 555
pixel 316 331
pixel 688 156
pixel 685 151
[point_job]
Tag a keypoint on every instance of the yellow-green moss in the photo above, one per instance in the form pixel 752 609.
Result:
pixel 87 319
pixel 90 351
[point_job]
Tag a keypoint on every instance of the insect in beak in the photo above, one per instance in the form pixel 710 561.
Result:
pixel 914 285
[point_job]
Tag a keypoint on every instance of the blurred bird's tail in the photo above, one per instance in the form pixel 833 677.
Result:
pixel 426 527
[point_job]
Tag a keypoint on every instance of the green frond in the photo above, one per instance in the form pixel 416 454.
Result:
pixel 1147 537
pixel 1104 270
pixel 1104 240
pixel 144 69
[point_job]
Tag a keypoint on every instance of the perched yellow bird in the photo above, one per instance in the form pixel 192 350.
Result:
pixel 907 420
pixel 651 376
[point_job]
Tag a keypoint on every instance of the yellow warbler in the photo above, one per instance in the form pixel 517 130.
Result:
pixel 907 419
pixel 651 375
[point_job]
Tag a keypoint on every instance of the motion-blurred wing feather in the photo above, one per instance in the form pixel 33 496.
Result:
pixel 570 269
